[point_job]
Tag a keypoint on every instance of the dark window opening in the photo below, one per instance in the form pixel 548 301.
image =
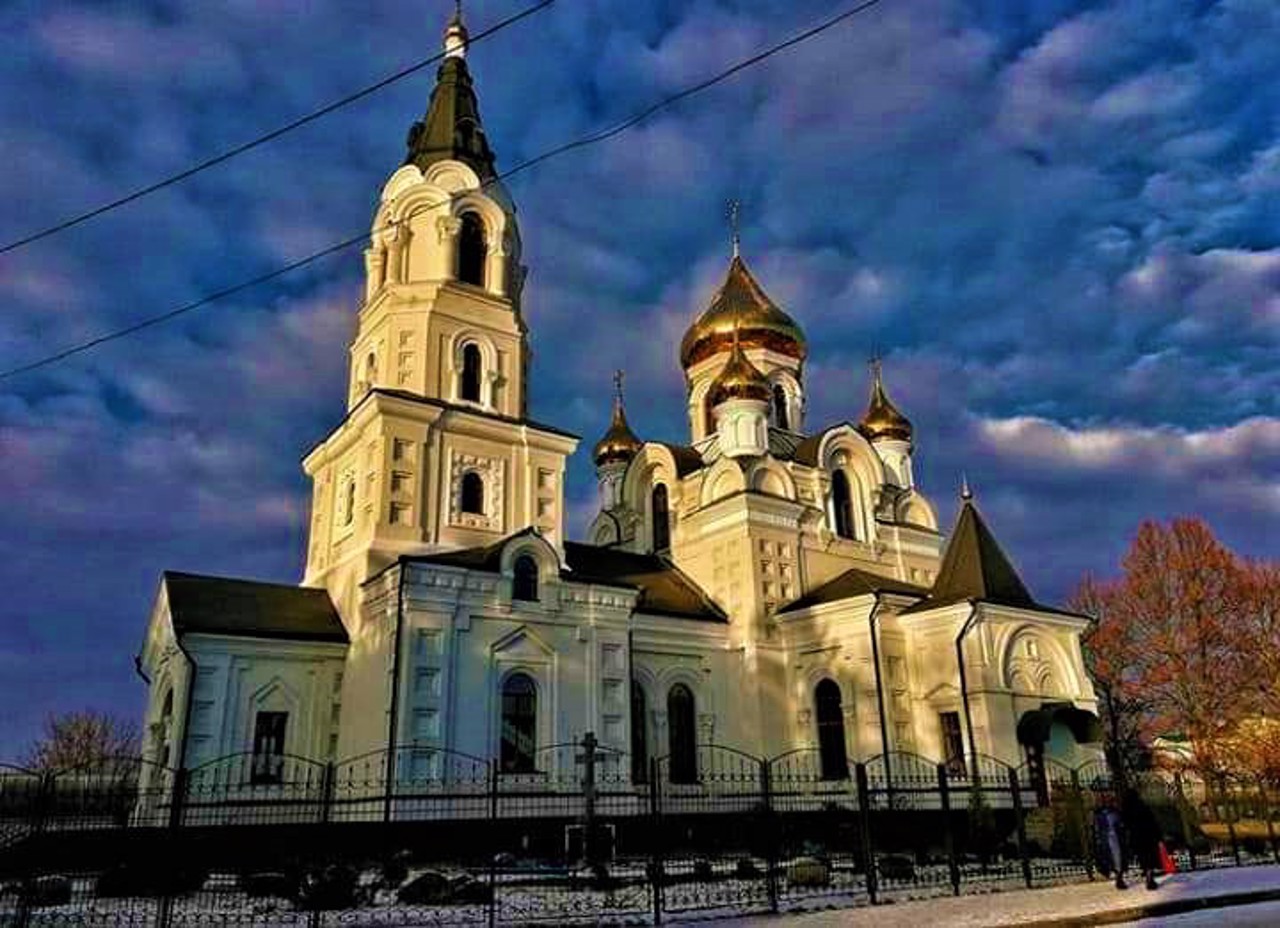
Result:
pixel 519 725
pixel 525 581
pixel 268 747
pixel 473 493
pixel 952 743
pixel 639 736
pixel 473 250
pixel 830 716
pixel 682 731
pixel 842 504
pixel 471 372
pixel 780 407
pixel 661 519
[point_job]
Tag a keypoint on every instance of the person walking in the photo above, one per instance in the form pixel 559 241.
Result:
pixel 1108 841
pixel 1144 835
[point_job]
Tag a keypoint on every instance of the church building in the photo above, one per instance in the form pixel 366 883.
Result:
pixel 767 583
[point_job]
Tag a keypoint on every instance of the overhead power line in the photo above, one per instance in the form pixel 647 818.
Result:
pixel 591 139
pixel 262 139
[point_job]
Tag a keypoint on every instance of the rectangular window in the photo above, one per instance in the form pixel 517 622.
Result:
pixel 952 742
pixel 268 747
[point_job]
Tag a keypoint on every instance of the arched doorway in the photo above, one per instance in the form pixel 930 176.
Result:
pixel 682 735
pixel 830 717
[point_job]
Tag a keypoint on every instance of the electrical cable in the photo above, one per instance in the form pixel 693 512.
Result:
pixel 262 139
pixel 583 142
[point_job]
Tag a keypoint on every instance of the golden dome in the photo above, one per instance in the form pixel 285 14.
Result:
pixel 882 419
pixel 742 304
pixel 739 379
pixel 619 443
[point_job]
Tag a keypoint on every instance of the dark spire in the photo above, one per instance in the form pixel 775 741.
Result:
pixel 974 567
pixel 451 129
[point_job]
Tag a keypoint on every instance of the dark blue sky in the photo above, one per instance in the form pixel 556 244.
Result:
pixel 1058 221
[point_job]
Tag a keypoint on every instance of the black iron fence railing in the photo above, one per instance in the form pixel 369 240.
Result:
pixel 416 835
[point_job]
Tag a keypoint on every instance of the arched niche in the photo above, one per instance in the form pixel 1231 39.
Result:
pixel 1035 664
pixel 770 478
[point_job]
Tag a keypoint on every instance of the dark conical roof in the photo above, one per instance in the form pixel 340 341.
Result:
pixel 975 567
pixel 451 129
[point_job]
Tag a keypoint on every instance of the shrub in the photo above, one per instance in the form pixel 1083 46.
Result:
pixel 148 880
pixel 49 890
pixel 808 871
pixel 269 884
pixel 395 870
pixel 746 869
pixel 702 870
pixel 429 888
pixel 329 887
pixel 897 867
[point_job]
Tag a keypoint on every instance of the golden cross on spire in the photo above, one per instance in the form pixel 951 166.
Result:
pixel 617 384
pixel 735 210
pixel 874 363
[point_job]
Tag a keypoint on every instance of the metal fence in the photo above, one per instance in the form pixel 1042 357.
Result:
pixel 414 835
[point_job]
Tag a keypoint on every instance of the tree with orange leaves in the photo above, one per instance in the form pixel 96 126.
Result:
pixel 1170 650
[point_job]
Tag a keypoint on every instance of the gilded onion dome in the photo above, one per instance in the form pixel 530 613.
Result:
pixel 740 303
pixel 618 443
pixel 739 379
pixel 882 419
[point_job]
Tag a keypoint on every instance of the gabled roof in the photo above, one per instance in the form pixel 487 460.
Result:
pixel 975 568
pixel 853 582
pixel 664 589
pixel 248 608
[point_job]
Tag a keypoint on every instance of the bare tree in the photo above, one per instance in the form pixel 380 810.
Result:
pixel 76 738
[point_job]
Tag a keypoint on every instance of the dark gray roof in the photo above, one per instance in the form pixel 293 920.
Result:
pixel 853 582
pixel 664 589
pixel 976 569
pixel 451 128
pixel 225 606
pixel 688 459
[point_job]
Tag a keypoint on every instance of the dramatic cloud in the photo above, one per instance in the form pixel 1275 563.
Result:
pixel 1058 221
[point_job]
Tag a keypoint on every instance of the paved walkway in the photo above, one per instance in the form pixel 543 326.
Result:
pixel 1055 907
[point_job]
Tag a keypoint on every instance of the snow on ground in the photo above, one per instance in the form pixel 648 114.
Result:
pixel 1028 906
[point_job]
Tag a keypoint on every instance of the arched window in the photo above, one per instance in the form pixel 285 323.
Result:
pixel 842 504
pixel 525 582
pixel 780 407
pixel 639 735
pixel 709 418
pixel 473 493
pixel 370 370
pixel 831 750
pixel 470 387
pixel 661 519
pixel 473 250
pixel 682 735
pixel 519 736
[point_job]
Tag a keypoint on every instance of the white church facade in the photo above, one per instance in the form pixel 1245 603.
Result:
pixel 766 585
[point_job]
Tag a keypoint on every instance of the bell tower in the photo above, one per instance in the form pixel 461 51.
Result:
pixel 441 315
pixel 436 450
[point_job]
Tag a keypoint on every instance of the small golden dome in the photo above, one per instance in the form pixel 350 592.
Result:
pixel 882 419
pixel 739 379
pixel 618 443
pixel 741 303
